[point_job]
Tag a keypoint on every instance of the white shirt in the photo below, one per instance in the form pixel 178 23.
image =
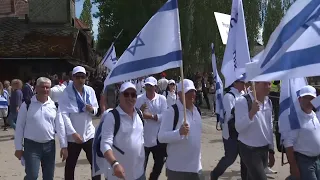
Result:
pixel 67 83
pixel 257 132
pixel 129 139
pixel 156 106
pixel 56 92
pixel 171 98
pixel 81 123
pixel 305 140
pixel 38 123
pixel 139 86
pixel 228 103
pixel 184 154
pixel 163 83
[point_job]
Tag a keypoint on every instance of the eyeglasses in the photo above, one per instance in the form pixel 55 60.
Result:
pixel 133 95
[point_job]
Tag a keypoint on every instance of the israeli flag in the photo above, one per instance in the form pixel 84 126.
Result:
pixel 289 104
pixel 294 47
pixel 156 48
pixel 236 54
pixel 110 58
pixel 316 103
pixel 219 88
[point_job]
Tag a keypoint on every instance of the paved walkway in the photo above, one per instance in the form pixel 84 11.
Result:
pixel 212 151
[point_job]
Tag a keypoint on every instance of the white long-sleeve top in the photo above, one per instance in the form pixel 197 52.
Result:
pixel 305 140
pixel 257 132
pixel 129 139
pixel 171 98
pixel 81 123
pixel 184 154
pixel 228 103
pixel 39 123
pixel 156 106
pixel 56 92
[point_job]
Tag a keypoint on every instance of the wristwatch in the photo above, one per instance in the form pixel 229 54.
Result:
pixel 114 163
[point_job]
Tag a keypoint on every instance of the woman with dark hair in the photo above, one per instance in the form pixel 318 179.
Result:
pixel 170 93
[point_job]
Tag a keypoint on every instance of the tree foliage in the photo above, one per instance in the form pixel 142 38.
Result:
pixel 274 14
pixel 85 15
pixel 197 24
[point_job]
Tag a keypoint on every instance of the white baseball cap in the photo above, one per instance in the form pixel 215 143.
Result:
pixel 151 81
pixel 171 81
pixel 127 85
pixel 308 91
pixel 78 69
pixel 187 84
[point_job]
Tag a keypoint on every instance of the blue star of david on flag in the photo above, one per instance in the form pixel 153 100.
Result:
pixel 138 43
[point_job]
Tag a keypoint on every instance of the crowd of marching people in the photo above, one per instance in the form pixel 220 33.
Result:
pixel 146 116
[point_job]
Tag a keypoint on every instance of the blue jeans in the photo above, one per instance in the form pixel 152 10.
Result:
pixel 36 153
pixel 231 151
pixel 309 167
pixel 12 118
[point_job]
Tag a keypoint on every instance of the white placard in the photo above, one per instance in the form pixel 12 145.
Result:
pixel 223 21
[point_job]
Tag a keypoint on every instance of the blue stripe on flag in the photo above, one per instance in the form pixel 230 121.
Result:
pixel 169 6
pixel 295 59
pixel 108 54
pixel 293 118
pixel 284 105
pixel 142 64
pixel 290 29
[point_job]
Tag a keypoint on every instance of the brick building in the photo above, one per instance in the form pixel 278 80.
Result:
pixel 40 37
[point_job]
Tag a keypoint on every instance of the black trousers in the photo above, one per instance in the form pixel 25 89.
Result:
pixel 254 159
pixel 74 150
pixel 158 153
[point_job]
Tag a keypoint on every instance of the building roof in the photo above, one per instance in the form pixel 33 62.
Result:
pixel 21 39
pixel 14 8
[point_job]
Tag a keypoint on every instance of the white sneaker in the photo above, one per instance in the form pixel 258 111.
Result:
pixel 268 170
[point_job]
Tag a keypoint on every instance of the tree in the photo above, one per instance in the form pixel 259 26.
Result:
pixel 274 14
pixel 197 24
pixel 85 15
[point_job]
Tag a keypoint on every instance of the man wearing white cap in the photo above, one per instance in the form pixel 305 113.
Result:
pixel 78 104
pixel 122 145
pixel 302 144
pixel 152 105
pixel 184 140
pixel 253 122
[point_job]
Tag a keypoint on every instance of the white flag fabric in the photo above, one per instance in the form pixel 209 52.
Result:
pixel 294 47
pixel 110 58
pixel 316 103
pixel 257 57
pixel 289 104
pixel 236 54
pixel 156 48
pixel 219 88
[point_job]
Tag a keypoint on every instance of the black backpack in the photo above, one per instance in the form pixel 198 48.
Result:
pixel 116 116
pixel 175 122
pixel 231 123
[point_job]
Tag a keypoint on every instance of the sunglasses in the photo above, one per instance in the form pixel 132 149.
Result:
pixel 80 77
pixel 133 95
